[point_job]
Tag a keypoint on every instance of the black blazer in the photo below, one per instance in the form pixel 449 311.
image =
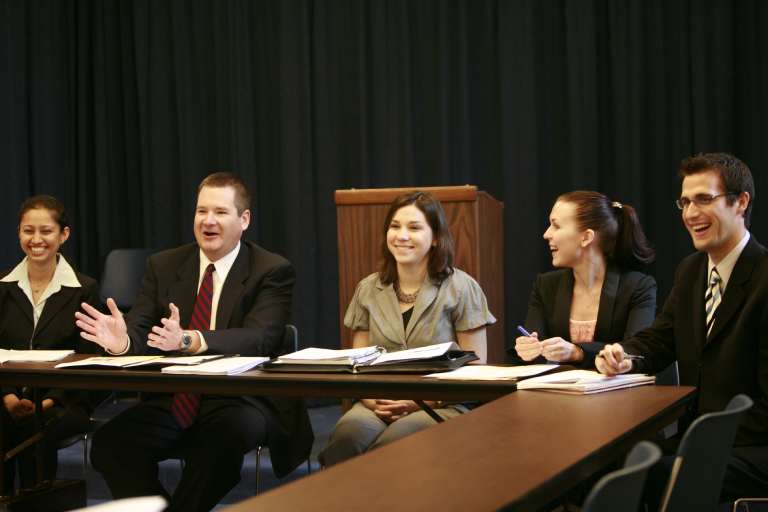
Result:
pixel 627 305
pixel 734 359
pixel 55 330
pixel 253 309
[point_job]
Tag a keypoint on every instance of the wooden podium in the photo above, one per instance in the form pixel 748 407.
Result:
pixel 475 219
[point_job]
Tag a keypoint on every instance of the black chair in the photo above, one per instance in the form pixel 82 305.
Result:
pixel 121 280
pixel 742 504
pixel 623 488
pixel 123 272
pixel 290 344
pixel 702 456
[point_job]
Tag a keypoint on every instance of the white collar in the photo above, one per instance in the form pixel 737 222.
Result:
pixel 223 265
pixel 726 265
pixel 64 275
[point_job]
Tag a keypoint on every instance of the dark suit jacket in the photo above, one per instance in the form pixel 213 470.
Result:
pixel 627 305
pixel 253 309
pixel 55 330
pixel 734 359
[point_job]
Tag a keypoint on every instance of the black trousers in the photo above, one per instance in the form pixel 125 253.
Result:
pixel 127 450
pixel 60 422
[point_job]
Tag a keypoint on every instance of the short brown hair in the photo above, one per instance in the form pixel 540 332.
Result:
pixel 734 174
pixel 440 263
pixel 227 179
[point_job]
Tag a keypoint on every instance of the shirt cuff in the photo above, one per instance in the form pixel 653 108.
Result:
pixel 125 351
pixel 203 345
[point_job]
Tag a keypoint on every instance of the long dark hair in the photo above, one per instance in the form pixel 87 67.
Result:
pixel 440 263
pixel 620 234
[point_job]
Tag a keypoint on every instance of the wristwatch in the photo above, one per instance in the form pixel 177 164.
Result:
pixel 186 342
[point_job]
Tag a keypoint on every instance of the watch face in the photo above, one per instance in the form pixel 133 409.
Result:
pixel 186 341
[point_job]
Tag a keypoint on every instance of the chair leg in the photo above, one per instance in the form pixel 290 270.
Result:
pixel 745 502
pixel 258 468
pixel 85 453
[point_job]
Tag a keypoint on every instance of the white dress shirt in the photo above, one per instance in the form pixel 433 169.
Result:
pixel 725 267
pixel 64 275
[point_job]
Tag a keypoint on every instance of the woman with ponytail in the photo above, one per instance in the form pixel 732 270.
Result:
pixel 598 295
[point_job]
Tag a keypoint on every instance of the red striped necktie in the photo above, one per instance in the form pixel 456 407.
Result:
pixel 185 406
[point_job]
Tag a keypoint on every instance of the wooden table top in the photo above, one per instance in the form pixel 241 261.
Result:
pixel 255 382
pixel 520 452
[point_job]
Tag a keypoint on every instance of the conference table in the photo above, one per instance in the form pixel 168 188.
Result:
pixel 254 382
pixel 520 450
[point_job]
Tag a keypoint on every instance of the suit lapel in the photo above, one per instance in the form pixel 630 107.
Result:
pixel 391 325
pixel 233 287
pixel 21 299
pixel 697 289
pixel 563 300
pixel 426 297
pixel 53 305
pixel 607 304
pixel 735 292
pixel 184 291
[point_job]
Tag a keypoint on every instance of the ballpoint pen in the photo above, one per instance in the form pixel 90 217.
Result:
pixel 523 331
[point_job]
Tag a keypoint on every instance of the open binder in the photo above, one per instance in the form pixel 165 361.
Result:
pixel 432 358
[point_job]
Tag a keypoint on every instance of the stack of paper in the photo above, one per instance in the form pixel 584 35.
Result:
pixel 584 382
pixel 225 366
pixel 109 362
pixel 485 372
pixel 35 356
pixel 320 356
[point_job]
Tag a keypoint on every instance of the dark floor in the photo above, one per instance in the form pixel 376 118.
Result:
pixel 323 419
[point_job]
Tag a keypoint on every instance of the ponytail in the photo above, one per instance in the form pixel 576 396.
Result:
pixel 620 234
pixel 632 249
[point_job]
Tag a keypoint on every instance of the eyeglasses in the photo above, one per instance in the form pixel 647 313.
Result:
pixel 700 200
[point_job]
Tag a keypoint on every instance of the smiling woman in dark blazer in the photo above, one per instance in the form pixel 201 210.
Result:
pixel 38 300
pixel 597 296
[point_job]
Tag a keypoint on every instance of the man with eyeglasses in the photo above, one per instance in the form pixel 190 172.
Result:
pixel 715 320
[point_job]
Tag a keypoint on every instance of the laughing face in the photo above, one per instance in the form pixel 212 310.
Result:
pixel 41 236
pixel 409 237
pixel 715 228
pixel 218 226
pixel 566 240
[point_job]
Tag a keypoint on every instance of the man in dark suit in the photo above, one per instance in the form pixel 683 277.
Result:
pixel 219 296
pixel 715 320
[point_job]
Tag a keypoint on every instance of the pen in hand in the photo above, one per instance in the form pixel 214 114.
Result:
pixel 523 331
pixel 625 356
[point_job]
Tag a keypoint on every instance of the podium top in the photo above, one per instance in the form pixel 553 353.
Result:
pixel 386 195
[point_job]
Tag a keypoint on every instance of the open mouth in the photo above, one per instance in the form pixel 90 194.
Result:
pixel 36 251
pixel 700 229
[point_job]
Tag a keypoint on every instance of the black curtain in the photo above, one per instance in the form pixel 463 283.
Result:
pixel 119 108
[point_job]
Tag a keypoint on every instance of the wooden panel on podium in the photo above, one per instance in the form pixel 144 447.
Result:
pixel 475 219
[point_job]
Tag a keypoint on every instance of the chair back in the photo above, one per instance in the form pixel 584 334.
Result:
pixel 290 339
pixel 702 456
pixel 623 488
pixel 123 272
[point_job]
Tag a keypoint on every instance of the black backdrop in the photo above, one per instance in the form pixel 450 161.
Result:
pixel 120 108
